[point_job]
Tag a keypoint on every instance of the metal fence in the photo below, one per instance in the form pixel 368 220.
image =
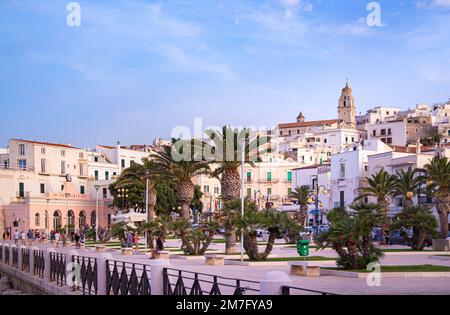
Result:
pixel 125 278
pixel 38 263
pixel 88 275
pixel 7 255
pixel 58 268
pixel 25 260
pixel 182 282
pixel 288 290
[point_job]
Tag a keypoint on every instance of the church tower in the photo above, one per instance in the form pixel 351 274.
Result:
pixel 347 106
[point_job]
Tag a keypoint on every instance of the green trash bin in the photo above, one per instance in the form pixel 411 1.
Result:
pixel 303 248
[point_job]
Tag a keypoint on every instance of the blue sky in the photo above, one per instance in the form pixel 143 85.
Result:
pixel 135 69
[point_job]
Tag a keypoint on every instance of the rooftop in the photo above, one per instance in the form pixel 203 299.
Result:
pixel 47 143
pixel 309 123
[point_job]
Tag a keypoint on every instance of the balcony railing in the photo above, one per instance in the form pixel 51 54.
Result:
pixel 268 180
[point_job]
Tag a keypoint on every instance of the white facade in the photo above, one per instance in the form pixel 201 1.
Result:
pixel 390 132
pixel 377 115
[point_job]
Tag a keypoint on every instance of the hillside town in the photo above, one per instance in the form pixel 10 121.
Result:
pixel 48 185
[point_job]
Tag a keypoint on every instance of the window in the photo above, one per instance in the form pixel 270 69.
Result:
pixel 114 173
pixel 63 153
pixel 383 132
pixel 249 193
pixel 96 175
pixel 289 176
pixel 37 220
pixel 269 191
pixel 206 188
pixel 365 168
pixel 289 132
pixel 21 190
pixel 43 150
pixel 21 149
pixel 346 139
pixel 324 140
pixel 132 163
pixel 105 193
pixel 249 177
pixel 62 187
pixel 6 164
pixel 43 162
pixel 81 170
pixel 353 139
pixel 342 170
pixel 96 159
pixel 374 133
pixel 389 140
pixel 389 131
pixel 63 167
pixel 216 190
pixel 81 155
pixel 269 176
pixel 23 164
pixel 342 199
pixel 122 163
pixel 106 175
pixel 281 133
pixel 42 188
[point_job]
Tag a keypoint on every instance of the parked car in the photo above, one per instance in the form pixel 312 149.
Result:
pixel 399 238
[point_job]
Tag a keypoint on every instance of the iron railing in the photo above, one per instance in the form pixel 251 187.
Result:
pixel 25 260
pixel 15 257
pixel 38 263
pixel 182 282
pixel 87 282
pixel 58 268
pixel 7 255
pixel 288 290
pixel 125 278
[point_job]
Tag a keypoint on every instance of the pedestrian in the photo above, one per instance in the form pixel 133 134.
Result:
pixel 386 236
pixel 129 239
pixel 136 241
pixel 159 246
pixel 57 238
pixel 16 236
pixel 7 235
pixel 77 240
pixel 30 237
pixel 23 237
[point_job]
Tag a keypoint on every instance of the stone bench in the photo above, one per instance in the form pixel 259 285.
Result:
pixel 100 248
pixel 215 260
pixel 161 255
pixel 128 251
pixel 441 245
pixel 302 268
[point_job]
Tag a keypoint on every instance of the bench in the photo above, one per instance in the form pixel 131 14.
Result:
pixel 161 255
pixel 302 268
pixel 127 251
pixel 100 248
pixel 215 260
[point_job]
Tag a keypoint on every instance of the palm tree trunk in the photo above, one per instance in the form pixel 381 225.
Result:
pixel 443 208
pixel 230 241
pixel 231 189
pixel 384 224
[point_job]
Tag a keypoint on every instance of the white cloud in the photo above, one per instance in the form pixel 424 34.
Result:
pixel 429 4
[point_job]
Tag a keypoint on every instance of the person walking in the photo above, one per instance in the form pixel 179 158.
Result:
pixel 136 242
pixel 16 236
pixel 30 237
pixel 23 237
pixel 77 240
pixel 57 237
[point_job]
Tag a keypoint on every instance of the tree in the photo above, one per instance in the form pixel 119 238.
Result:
pixel 276 222
pixel 438 174
pixel 350 235
pixel 420 219
pixel 380 186
pixel 196 202
pixel 301 195
pixel 406 185
pixel 166 198
pixel 225 152
pixel 179 163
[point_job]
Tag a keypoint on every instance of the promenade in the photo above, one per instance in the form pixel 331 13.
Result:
pixel 112 272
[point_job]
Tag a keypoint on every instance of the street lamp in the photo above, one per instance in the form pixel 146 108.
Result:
pixel 317 190
pixel 97 187
pixel 123 194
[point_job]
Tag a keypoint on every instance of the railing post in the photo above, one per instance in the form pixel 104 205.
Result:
pixel 3 252
pixel 5 249
pixel 11 258
pixel 273 282
pixel 157 276
pixel 20 257
pixel 101 273
pixel 31 267
pixel 47 263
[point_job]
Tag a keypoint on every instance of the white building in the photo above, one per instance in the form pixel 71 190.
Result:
pixel 392 132
pixel 377 115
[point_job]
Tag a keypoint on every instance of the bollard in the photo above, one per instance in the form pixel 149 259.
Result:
pixel 157 278
pixel 273 282
pixel 101 273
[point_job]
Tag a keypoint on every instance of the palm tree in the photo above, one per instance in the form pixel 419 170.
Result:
pixel 407 184
pixel 438 173
pixel 225 148
pixel 301 195
pixel 380 186
pixel 180 171
pixel 169 166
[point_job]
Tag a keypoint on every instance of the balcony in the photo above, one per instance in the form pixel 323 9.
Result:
pixel 268 180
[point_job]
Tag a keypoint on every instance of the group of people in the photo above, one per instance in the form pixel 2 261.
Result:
pixel 132 241
pixel 25 238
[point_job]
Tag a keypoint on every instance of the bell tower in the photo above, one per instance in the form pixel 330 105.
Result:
pixel 347 106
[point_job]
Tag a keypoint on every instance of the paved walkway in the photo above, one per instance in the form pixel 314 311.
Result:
pixel 331 284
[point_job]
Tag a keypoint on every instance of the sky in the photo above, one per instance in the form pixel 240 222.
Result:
pixel 135 69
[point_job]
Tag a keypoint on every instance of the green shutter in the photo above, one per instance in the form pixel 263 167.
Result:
pixel 289 176
pixel 269 176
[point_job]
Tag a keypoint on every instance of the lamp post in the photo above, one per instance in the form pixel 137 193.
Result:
pixel 146 207
pixel 242 200
pixel 317 192
pixel 97 187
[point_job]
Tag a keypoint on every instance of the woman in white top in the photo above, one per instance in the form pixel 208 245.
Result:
pixel 57 238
